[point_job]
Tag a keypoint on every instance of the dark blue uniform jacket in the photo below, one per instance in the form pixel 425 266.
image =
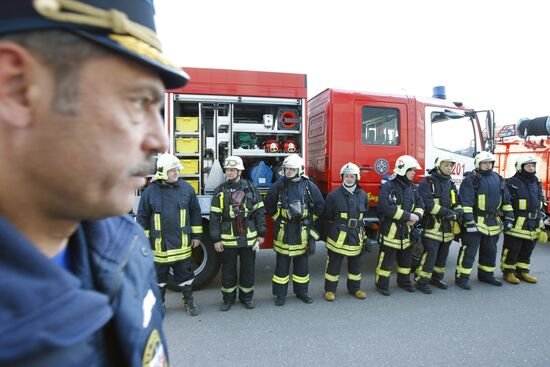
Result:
pixel 104 312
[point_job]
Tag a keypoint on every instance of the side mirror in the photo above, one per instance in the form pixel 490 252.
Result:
pixel 490 125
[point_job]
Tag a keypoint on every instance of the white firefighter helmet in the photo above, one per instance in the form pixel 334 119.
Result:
pixel 296 162
pixel 445 157
pixel 233 162
pixel 165 163
pixel 350 169
pixel 483 157
pixel 522 160
pixel 405 163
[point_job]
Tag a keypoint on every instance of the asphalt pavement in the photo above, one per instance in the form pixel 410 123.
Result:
pixel 486 326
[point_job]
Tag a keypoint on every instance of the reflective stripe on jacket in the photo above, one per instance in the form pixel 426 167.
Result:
pixel 527 198
pixel 440 197
pixel 227 217
pixel 483 196
pixel 171 217
pixel 291 234
pixel 343 214
pixel 398 199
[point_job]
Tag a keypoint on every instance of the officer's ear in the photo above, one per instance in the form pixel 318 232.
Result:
pixel 18 73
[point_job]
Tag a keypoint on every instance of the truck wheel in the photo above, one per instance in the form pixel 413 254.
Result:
pixel 205 263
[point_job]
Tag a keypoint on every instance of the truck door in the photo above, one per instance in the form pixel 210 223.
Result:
pixel 380 137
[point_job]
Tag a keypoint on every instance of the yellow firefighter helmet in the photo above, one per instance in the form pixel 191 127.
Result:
pixel 165 163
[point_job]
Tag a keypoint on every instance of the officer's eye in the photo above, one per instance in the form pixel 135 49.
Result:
pixel 140 102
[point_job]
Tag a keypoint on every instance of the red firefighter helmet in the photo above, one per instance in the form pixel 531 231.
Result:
pixel 290 146
pixel 271 145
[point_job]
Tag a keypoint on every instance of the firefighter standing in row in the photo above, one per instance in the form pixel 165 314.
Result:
pixel 402 208
pixel 171 216
pixel 237 227
pixel 527 199
pixel 442 208
pixel 483 197
pixel 345 208
pixel 294 203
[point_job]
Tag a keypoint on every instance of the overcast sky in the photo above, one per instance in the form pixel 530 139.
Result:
pixel 488 54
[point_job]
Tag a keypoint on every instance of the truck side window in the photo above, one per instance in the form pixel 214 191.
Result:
pixel 454 135
pixel 380 126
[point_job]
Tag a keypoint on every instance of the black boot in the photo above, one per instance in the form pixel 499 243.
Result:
pixel 490 280
pixel 423 287
pixel 248 303
pixel 407 286
pixel 280 300
pixel 188 303
pixel 463 282
pixel 439 284
pixel 383 291
pixel 305 298
pixel 226 305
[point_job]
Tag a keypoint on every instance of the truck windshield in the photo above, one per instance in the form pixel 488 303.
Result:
pixel 453 133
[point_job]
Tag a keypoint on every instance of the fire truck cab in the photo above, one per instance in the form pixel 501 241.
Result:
pixel 372 130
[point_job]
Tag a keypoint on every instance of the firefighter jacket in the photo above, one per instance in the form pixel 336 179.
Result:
pixel 295 207
pixel 171 217
pixel 527 199
pixel 484 196
pixel 398 198
pixel 440 197
pixel 237 214
pixel 344 213
pixel 104 311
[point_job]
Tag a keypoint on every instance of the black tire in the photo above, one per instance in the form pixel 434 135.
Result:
pixel 205 264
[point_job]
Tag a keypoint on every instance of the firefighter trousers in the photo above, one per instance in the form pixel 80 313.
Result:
pixel 516 254
pixel 386 258
pixel 332 271
pixel 433 260
pixel 183 275
pixel 243 279
pixel 300 275
pixel 487 246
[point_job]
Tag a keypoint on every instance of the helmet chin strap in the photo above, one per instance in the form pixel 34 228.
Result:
pixel 351 187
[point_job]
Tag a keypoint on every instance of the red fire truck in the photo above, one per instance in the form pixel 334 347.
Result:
pixel 259 116
pixel 263 117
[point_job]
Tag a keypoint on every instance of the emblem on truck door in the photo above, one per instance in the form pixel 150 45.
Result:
pixel 381 166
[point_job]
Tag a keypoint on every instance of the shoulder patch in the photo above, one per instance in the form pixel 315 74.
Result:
pixel 154 354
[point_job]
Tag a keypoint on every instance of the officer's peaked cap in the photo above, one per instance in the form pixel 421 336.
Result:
pixel 124 26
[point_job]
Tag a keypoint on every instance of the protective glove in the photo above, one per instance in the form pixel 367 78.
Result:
pixel 451 216
pixel 543 236
pixel 415 234
pixel 256 247
pixel 311 246
pixel 508 224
